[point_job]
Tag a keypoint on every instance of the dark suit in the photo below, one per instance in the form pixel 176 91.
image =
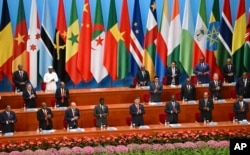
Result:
pixel 69 115
pixel 202 78
pixel 16 78
pixel 101 112
pixel 226 70
pixel 240 115
pixel 44 124
pixel 241 89
pixel 170 78
pixel 204 113
pixel 172 117
pixel 188 93
pixel 143 78
pixel 137 118
pixel 213 91
pixel 59 101
pixel 29 102
pixel 7 121
pixel 155 96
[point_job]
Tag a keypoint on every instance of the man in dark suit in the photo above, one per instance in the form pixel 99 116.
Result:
pixel 172 109
pixel 101 112
pixel 44 117
pixel 173 74
pixel 62 96
pixel 243 86
pixel 8 118
pixel 215 87
pixel 137 111
pixel 155 90
pixel 143 76
pixel 228 71
pixel 20 78
pixel 72 115
pixel 241 109
pixel 202 71
pixel 188 91
pixel 206 105
pixel 29 96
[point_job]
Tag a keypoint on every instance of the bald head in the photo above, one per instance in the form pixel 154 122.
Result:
pixel 205 95
pixel 215 77
pixel 73 105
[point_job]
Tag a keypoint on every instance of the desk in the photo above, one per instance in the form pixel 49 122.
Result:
pixel 111 95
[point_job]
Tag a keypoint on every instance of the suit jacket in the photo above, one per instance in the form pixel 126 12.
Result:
pixel 29 102
pixel 59 101
pixel 101 114
pixel 155 96
pixel 240 115
pixel 226 71
pixel 45 123
pixel 241 89
pixel 16 78
pixel 7 122
pixel 170 73
pixel 204 113
pixel 213 91
pixel 69 115
pixel 172 117
pixel 202 78
pixel 141 78
pixel 137 118
pixel 189 94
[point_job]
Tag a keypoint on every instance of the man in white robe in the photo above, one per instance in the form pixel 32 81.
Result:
pixel 50 78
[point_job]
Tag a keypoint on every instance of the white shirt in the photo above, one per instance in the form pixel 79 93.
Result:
pixel 50 85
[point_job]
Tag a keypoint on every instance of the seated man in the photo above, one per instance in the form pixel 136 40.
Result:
pixel 137 111
pixel 155 90
pixel 101 112
pixel 62 95
pixel 240 109
pixel 206 105
pixel 143 77
pixel 173 74
pixel 228 71
pixel 215 87
pixel 20 78
pixel 243 86
pixel 44 117
pixel 202 71
pixel 188 91
pixel 72 115
pixel 172 108
pixel 8 118
pixel 29 96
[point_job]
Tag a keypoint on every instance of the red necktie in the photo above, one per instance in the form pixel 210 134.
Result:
pixel 62 93
pixel 46 116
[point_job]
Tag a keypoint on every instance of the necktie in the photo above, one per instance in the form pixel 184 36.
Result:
pixel 62 93
pixel 188 86
pixel 229 68
pixel 205 103
pixel 45 114
pixel 143 74
pixel 245 83
pixel 216 83
pixel 21 74
pixel 8 113
pixel 173 105
pixel 73 112
pixel 102 108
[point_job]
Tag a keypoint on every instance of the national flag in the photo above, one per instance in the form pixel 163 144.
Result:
pixel 98 70
pixel 124 42
pixel 162 38
pixel 6 42
pixel 225 35
pixel 20 55
pixel 136 40
pixel 59 51
pixel 72 45
pixel 33 43
pixel 247 46
pixel 84 47
pixel 239 38
pixel 187 40
pixel 113 35
pixel 150 39
pixel 200 34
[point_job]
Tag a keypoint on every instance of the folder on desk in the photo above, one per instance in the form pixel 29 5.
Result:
pixel 9 134
pixel 244 122
pixel 212 123
pixel 144 127
pixel 175 125
pixel 247 99
pixel 155 103
pixel 31 109
pixel 62 108
pixel 221 101
pixel 48 131
pixel 77 130
pixel 191 102
pixel 111 128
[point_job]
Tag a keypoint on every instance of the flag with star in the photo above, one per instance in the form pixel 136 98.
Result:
pixel 33 43
pixel 150 39
pixel 98 70
pixel 72 45
pixel 124 42
pixel 247 46
pixel 6 42
pixel 84 47
pixel 239 38
pixel 20 56
pixel 59 51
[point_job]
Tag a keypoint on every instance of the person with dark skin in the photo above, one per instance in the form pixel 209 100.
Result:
pixel 20 78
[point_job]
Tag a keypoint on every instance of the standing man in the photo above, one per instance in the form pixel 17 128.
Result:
pixel 155 90
pixel 72 115
pixel 202 71
pixel 20 78
pixel 143 76
pixel 44 117
pixel 206 105
pixel 137 111
pixel 50 78
pixel 62 96
pixel 188 91
pixel 29 96
pixel 172 109
pixel 215 87
pixel 173 74
pixel 8 119
pixel 228 71
pixel 241 109
pixel 101 112
pixel 243 86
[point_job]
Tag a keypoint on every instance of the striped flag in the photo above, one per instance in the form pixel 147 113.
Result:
pixel 247 46
pixel 150 39
pixel 33 43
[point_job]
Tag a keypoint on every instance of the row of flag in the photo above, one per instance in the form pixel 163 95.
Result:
pixel 93 51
